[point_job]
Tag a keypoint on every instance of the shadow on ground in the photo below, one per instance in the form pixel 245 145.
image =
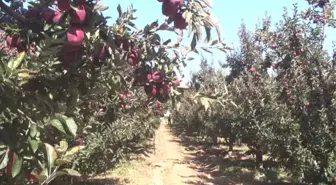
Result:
pixel 103 181
pixel 217 166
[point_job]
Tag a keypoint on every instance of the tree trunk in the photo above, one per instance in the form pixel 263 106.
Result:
pixel 214 139
pixel 259 159
pixel 231 143
pixel 239 143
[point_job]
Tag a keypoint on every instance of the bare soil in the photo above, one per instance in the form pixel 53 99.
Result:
pixel 176 162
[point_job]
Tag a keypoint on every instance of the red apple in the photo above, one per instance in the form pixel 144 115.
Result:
pixel 123 105
pixel 32 48
pixel 252 69
pixel 149 77
pixel 79 141
pixel 180 22
pixel 78 16
pixel 47 14
pixel 150 90
pixel 133 57
pixel 163 89
pixel 57 17
pixel 176 3
pixel 168 9
pixel 176 81
pixel 75 36
pixel 122 96
pixel 30 177
pixel 295 53
pixel 64 5
pixel 13 41
pixel 158 104
pixel 158 76
pixel 333 179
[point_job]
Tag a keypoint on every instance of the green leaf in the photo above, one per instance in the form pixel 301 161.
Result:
pixel 3 69
pixel 207 50
pixel 214 42
pixel 17 164
pixel 33 130
pixel 3 145
pixel 51 154
pixel 187 15
pixel 61 173
pixel 178 105
pixel 73 150
pixel 58 125
pixel 34 144
pixel 70 172
pixel 119 10
pixel 4 160
pixel 208 34
pixel 61 162
pixel 15 62
pixel 100 7
pixel 208 3
pixel 2 152
pixel 64 145
pixel 72 100
pixel 71 125
pixel 193 43
pixel 183 87
pixel 205 103
pixel 43 175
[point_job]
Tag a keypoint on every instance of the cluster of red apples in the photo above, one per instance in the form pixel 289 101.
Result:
pixel 156 83
pixel 171 8
pixel 74 35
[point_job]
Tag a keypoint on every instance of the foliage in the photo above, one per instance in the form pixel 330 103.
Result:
pixel 282 83
pixel 72 98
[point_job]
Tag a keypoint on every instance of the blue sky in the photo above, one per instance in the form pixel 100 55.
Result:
pixel 231 13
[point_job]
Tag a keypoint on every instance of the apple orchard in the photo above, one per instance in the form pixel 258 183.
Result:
pixel 76 93
pixel 79 96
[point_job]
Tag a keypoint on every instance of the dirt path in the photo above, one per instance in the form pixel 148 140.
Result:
pixel 169 161
pixel 186 163
pixel 169 164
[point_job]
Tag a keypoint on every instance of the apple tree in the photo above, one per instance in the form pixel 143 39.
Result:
pixel 282 81
pixel 69 81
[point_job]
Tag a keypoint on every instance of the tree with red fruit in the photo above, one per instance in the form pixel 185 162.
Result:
pixel 61 109
pixel 282 82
